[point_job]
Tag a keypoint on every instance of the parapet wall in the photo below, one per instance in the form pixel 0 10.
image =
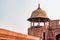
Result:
pixel 54 23
pixel 10 35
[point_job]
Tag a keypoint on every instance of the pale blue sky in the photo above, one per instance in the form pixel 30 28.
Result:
pixel 14 13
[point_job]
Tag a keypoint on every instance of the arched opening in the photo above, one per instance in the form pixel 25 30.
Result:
pixel 58 37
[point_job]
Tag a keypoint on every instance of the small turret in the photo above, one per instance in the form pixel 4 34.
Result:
pixel 38 16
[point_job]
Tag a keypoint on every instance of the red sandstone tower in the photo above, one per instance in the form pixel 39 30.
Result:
pixel 38 21
pixel 42 27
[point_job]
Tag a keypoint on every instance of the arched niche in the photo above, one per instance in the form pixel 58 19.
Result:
pixel 58 37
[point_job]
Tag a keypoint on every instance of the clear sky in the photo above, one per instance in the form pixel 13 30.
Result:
pixel 14 13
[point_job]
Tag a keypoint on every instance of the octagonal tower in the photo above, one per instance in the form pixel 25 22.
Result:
pixel 38 21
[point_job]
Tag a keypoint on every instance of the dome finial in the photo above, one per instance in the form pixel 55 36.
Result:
pixel 39 6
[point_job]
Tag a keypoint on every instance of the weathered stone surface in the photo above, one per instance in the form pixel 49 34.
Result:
pixel 51 31
pixel 10 35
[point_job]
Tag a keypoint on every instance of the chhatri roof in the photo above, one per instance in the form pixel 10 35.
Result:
pixel 39 13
